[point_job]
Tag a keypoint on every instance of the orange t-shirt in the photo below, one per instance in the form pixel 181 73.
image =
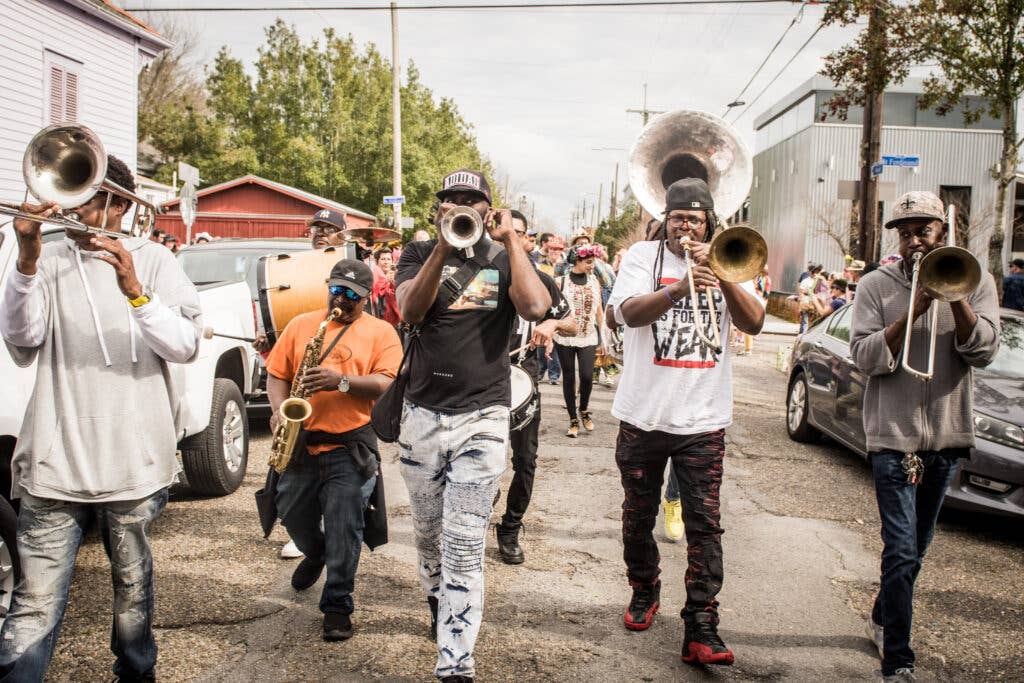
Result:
pixel 371 346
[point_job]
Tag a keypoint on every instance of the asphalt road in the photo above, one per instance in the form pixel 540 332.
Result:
pixel 801 557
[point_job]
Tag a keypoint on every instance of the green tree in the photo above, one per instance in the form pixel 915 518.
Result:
pixel 318 116
pixel 978 46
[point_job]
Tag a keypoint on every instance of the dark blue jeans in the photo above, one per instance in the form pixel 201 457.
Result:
pixel 330 486
pixel 49 535
pixel 908 516
pixel 549 366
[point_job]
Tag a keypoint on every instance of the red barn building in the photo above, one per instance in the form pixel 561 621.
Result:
pixel 251 206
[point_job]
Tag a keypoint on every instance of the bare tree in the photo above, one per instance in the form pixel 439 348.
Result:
pixel 173 79
pixel 835 221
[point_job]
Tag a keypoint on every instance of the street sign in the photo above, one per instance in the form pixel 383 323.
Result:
pixel 188 174
pixel 901 160
pixel 876 170
pixel 408 222
pixel 394 199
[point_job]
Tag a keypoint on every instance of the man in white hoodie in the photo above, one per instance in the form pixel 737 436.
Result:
pixel 103 318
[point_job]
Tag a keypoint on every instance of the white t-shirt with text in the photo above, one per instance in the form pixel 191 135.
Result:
pixel 670 381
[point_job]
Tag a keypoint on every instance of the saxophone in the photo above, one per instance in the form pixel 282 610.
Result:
pixel 295 409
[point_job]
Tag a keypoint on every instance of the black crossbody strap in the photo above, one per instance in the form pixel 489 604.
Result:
pixel 333 343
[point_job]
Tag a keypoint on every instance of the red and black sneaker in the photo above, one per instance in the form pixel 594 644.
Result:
pixel 702 644
pixel 646 600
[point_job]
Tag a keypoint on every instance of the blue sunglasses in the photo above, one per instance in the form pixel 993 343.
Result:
pixel 339 290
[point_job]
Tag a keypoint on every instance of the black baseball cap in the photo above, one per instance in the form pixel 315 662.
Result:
pixel 465 180
pixel 328 216
pixel 689 193
pixel 353 274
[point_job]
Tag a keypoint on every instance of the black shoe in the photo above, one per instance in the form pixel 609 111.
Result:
pixel 508 546
pixel 456 679
pixel 306 574
pixel 432 602
pixel 646 599
pixel 701 643
pixel 337 626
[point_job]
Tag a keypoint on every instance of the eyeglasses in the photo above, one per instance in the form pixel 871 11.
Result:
pixel 324 229
pixel 692 221
pixel 342 290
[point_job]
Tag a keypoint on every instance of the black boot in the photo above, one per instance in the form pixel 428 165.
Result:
pixel 432 603
pixel 508 545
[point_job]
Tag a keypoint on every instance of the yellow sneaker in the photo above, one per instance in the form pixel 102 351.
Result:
pixel 673 519
pixel 574 428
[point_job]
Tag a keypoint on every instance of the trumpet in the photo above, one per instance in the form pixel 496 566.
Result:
pixel 462 227
pixel 66 164
pixel 735 255
pixel 947 273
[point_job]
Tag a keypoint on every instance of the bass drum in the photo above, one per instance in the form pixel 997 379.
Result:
pixel 293 284
pixel 525 398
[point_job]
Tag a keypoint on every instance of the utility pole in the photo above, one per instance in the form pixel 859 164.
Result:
pixel 645 113
pixel 396 117
pixel 615 194
pixel 600 195
pixel 871 141
pixel 533 211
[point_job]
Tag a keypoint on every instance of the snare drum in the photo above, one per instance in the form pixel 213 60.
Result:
pixel 525 398
pixel 293 284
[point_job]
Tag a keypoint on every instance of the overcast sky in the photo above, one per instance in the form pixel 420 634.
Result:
pixel 544 88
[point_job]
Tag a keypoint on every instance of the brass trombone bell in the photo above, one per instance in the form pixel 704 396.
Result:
pixel 949 273
pixel 737 254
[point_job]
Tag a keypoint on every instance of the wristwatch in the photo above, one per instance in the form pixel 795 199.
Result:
pixel 343 385
pixel 141 300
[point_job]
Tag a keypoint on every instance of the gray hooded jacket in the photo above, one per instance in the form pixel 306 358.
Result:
pixel 902 412
pixel 101 424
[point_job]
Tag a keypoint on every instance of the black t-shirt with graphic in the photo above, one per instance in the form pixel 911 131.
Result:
pixel 524 330
pixel 461 363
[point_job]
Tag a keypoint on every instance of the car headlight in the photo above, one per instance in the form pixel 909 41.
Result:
pixel 1000 431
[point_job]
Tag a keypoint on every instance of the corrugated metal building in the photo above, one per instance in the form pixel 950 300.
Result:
pixel 803 153
pixel 251 206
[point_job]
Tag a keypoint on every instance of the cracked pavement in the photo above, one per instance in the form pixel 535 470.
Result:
pixel 801 557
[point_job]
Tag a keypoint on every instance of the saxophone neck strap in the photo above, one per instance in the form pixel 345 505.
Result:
pixel 330 348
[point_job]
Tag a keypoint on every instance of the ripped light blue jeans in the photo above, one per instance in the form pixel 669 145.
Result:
pixel 49 535
pixel 451 464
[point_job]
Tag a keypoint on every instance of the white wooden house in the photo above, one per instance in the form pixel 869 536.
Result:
pixel 69 60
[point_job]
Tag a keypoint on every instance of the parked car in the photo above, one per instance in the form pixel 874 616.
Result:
pixel 236 260
pixel 825 394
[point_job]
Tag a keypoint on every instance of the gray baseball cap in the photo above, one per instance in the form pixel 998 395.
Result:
pixel 917 204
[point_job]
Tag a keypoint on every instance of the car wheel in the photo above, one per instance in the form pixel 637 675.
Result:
pixel 797 410
pixel 216 458
pixel 10 567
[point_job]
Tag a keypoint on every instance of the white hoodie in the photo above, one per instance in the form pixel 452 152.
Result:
pixel 101 422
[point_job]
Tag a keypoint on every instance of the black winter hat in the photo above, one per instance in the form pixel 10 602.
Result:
pixel 689 193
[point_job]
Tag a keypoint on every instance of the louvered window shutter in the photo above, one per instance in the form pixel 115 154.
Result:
pixel 70 96
pixel 57 94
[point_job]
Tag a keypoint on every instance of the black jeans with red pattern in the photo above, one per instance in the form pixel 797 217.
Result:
pixel 697 462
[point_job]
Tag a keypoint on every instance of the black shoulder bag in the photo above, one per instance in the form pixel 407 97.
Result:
pixel 386 414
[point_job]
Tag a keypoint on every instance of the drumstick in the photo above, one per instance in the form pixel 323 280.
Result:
pixel 209 333
pixel 516 352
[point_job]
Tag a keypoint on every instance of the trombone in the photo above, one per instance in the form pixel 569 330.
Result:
pixel 948 273
pixel 735 255
pixel 67 164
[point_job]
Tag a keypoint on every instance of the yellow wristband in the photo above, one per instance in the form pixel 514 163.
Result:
pixel 142 300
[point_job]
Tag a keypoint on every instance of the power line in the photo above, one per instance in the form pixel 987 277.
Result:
pixel 464 6
pixel 781 71
pixel 796 18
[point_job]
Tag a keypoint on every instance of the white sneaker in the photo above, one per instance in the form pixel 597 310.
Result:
pixel 874 632
pixel 290 551
pixel 901 676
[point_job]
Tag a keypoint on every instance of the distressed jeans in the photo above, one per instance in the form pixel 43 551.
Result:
pixel 327 485
pixel 908 513
pixel 451 464
pixel 696 460
pixel 50 533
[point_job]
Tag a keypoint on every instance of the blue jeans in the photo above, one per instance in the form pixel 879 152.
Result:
pixel 451 464
pixel 549 366
pixel 49 535
pixel 908 514
pixel 327 485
